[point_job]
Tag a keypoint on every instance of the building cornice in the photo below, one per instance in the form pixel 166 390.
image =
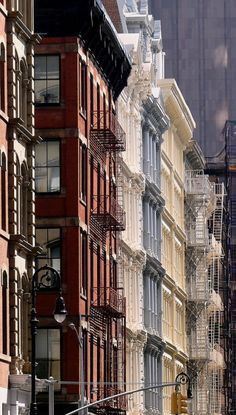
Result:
pixel 177 109
pixel 89 21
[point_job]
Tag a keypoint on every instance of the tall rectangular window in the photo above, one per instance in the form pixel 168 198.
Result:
pixel 49 239
pixel 47 79
pixel 83 172
pixel 84 267
pixel 83 88
pixel 4 313
pixel 47 167
pixel 91 100
pixel 48 353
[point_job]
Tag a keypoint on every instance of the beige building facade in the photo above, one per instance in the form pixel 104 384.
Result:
pixel 174 295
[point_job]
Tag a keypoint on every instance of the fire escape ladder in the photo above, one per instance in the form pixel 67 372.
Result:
pixel 218 212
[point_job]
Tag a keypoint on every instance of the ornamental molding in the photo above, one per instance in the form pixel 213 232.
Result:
pixel 177 109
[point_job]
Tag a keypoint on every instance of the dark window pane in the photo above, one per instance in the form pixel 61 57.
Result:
pixel 53 179
pixel 40 92
pixel 49 241
pixel 41 180
pixel 40 67
pixel 53 67
pixel 47 79
pixel 47 173
pixel 52 92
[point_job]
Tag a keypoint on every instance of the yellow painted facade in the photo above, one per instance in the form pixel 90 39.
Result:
pixel 176 139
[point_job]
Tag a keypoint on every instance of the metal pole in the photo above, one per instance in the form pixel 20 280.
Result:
pixel 34 322
pixel 79 335
pixel 162 385
pixel 51 396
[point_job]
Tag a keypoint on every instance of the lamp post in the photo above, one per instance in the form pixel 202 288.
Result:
pixel 183 379
pixel 79 334
pixel 45 279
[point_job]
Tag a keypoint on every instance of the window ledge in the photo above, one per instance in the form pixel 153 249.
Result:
pixel 83 202
pixel 83 115
pixel 5 235
pixel 5 358
pixel 48 194
pixel 83 296
pixel 3 116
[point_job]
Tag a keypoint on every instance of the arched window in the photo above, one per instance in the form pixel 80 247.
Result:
pixel 17 81
pixel 2 77
pixel 3 192
pixel 24 201
pixel 4 313
pixel 18 196
pixel 23 86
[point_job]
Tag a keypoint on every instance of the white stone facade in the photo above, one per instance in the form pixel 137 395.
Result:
pixel 142 117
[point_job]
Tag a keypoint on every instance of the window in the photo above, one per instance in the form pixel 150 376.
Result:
pixel 23 91
pixel 83 172
pixel 4 313
pixel 2 77
pixel 47 79
pixel 47 163
pixel 3 191
pixel 84 254
pixel 83 87
pixel 48 353
pixel 91 99
pixel 24 201
pixel 49 240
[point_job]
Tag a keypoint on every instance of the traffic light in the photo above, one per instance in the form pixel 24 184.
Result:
pixel 174 406
pixel 182 404
pixel 178 403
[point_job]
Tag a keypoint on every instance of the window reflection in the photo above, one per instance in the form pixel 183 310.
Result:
pixel 47 79
pixel 47 172
pixel 49 240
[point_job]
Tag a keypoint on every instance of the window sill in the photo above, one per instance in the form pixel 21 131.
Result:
pixel 47 104
pixel 5 358
pixel 83 202
pixel 3 116
pixel 48 194
pixel 83 115
pixel 83 296
pixel 5 235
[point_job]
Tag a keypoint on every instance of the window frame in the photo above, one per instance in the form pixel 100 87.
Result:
pixel 46 141
pixel 84 262
pixel 59 329
pixel 50 104
pixel 83 90
pixel 83 172
pixel 48 259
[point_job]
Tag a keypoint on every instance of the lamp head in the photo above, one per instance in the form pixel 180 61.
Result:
pixel 189 393
pixel 60 310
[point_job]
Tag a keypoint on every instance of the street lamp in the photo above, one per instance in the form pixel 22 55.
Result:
pixel 183 379
pixel 45 279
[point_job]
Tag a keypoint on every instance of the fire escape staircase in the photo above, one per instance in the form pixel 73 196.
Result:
pixel 107 140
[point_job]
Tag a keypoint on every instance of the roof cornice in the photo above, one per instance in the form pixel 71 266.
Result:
pixel 177 109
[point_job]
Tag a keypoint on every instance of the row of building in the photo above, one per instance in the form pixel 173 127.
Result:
pixel 102 180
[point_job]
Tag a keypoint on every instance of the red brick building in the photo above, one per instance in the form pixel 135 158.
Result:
pixel 4 235
pixel 80 69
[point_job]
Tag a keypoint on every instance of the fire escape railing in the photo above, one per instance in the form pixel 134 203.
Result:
pixel 119 402
pixel 109 300
pixel 108 213
pixel 108 131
